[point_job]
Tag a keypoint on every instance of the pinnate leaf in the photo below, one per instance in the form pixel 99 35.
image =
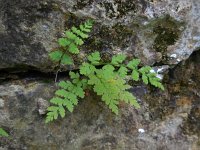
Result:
pixel 122 71
pixel 87 69
pixel 56 55
pixel 66 60
pixel 133 64
pixel 94 58
pixel 63 42
pixel 73 49
pixel 135 75
pixel 118 59
pixel 3 133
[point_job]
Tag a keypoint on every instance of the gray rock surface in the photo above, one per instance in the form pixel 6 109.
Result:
pixel 166 120
pixel 155 31
pixel 159 32
pixel 91 126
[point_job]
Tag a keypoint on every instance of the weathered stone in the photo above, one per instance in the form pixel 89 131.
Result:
pixel 1 103
pixel 92 125
pixel 150 30
pixel 157 32
pixel 42 106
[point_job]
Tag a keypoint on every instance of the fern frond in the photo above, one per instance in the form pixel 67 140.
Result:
pixel 108 81
pixel 133 64
pixel 153 80
pixel 56 55
pixel 70 43
pixel 111 87
pixel 86 27
pixel 79 32
pixel 70 35
pixel 63 42
pixel 122 72
pixel 3 133
pixel 66 60
pixel 118 59
pixel 66 97
pixel 94 58
pixel 135 75
pixel 86 69
pixel 73 48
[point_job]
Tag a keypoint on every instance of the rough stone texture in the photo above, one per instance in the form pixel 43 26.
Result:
pixel 169 119
pixel 158 32
pixel 28 30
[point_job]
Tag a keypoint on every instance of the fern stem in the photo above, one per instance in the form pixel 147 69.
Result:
pixel 57 75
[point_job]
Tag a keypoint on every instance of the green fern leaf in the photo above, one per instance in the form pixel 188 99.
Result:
pixel 49 117
pixel 66 85
pixel 52 114
pixel 84 29
pixel 88 24
pixel 73 98
pixel 74 75
pixel 107 71
pixel 56 55
pixel 122 72
pixel 135 75
pixel 61 93
pixel 56 100
pixel 73 49
pixel 145 79
pixel 61 111
pixel 118 59
pixel 145 69
pixel 3 133
pixel 133 64
pixel 79 92
pixel 156 83
pixel 53 108
pixel 79 32
pixel 70 35
pixel 87 69
pixel 129 98
pixel 68 105
pixel 78 41
pixel 94 58
pixel 63 42
pixel 66 60
pixel 113 107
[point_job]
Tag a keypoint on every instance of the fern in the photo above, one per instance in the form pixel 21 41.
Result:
pixel 70 42
pixel 108 81
pixel 66 97
pixel 3 133
pixel 118 59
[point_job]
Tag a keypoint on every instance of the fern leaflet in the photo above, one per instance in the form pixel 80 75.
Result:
pixel 3 133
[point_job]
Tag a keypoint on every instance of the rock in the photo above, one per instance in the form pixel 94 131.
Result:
pixel 160 33
pixel 1 103
pixel 42 106
pixel 152 31
pixel 92 125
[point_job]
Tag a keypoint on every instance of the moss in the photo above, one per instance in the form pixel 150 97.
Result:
pixel 123 7
pixel 82 3
pixel 168 31
pixel 72 20
pixel 105 37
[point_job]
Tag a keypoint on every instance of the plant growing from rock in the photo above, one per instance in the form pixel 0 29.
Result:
pixel 3 133
pixel 108 80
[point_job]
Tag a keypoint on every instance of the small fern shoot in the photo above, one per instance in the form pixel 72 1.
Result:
pixel 66 97
pixel 69 44
pixel 3 133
